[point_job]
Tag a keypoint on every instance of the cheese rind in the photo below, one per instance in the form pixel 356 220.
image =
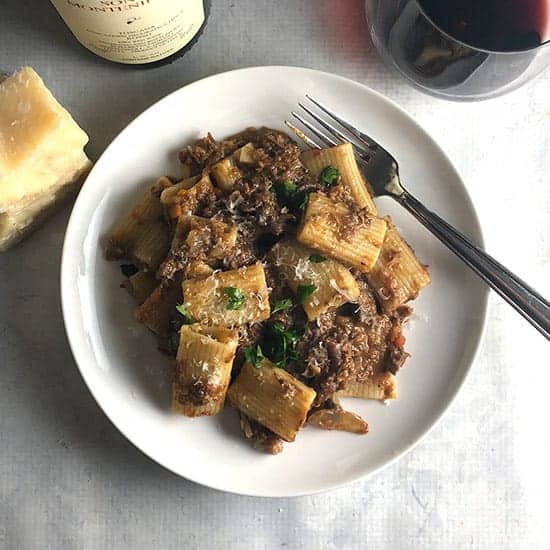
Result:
pixel 41 153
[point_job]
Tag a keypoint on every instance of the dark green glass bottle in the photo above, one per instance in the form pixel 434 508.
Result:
pixel 144 33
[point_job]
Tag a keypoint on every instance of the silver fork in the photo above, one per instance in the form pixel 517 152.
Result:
pixel 382 172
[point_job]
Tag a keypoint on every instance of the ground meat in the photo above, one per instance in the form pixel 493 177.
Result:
pixel 279 157
pixel 276 282
pixel 342 193
pixel 198 244
pixel 243 252
pixel 337 348
pixel 249 334
pixel 252 202
pixel 255 200
pixel 346 346
pixel 205 152
pixel 396 354
pixel 396 359
pixel 264 242
pixel 199 392
pixel 262 438
pixel 366 304
pixel 376 331
pixel 351 223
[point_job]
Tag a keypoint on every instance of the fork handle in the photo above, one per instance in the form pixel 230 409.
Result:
pixel 524 299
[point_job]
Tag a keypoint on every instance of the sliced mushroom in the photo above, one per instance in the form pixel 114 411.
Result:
pixel 337 419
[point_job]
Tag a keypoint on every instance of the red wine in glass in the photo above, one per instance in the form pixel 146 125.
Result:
pixel 463 49
pixel 495 25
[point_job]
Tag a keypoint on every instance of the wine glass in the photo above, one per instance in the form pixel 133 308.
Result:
pixel 441 65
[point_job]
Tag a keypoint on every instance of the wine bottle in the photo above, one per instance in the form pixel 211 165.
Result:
pixel 135 32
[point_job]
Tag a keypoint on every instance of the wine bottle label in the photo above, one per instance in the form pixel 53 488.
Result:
pixel 132 31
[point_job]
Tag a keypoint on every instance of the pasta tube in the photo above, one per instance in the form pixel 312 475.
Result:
pixel 375 382
pixel 334 284
pixel 397 276
pixel 203 369
pixel 143 234
pixel 272 397
pixel 229 298
pixel 351 237
pixel 381 386
pixel 210 238
pixel 159 308
pixel 341 157
pixel 140 285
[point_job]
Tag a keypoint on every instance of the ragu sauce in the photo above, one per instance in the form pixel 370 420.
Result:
pixel 495 25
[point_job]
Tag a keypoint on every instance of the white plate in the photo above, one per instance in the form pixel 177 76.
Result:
pixel 129 377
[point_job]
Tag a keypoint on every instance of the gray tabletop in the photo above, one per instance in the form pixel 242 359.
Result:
pixel 68 479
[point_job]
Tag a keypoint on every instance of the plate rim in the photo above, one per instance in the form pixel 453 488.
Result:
pixel 476 229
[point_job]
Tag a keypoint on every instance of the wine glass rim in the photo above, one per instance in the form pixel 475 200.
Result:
pixel 477 48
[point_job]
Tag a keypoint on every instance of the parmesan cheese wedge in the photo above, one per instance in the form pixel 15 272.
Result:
pixel 41 154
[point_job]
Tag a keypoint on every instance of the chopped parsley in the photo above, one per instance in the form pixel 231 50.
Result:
pixel 128 269
pixel 317 258
pixel 282 305
pixel 280 344
pixel 288 195
pixel 304 200
pixel 329 176
pixel 285 191
pixel 291 336
pixel 303 292
pixel 254 356
pixel 235 297
pixel 184 312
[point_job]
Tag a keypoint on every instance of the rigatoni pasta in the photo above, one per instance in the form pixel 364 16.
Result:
pixel 332 228
pixel 203 369
pixel 397 276
pixel 267 276
pixel 229 298
pixel 142 235
pixel 334 284
pixel 209 237
pixel 159 308
pixel 141 285
pixel 272 397
pixel 381 386
pixel 342 158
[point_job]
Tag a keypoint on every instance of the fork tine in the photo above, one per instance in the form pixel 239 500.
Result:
pixel 323 137
pixel 334 131
pixel 364 138
pixel 306 139
pixel 361 149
